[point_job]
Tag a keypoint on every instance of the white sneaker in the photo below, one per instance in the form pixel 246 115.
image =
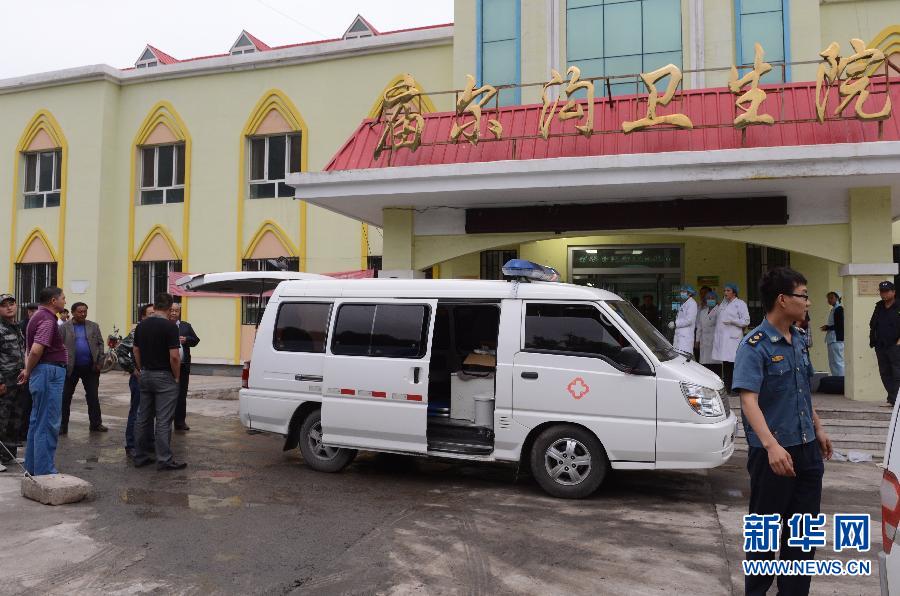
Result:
pixel 2 468
pixel 20 460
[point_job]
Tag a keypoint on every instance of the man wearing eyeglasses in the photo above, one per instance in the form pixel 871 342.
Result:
pixel 884 336
pixel 787 444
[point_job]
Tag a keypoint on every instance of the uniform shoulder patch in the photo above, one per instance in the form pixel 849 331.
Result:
pixel 754 339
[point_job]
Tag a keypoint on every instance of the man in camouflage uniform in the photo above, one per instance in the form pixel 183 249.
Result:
pixel 13 397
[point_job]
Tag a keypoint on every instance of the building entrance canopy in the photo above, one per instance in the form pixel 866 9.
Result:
pixel 811 164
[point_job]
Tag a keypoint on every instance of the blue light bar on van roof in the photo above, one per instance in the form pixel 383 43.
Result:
pixel 529 270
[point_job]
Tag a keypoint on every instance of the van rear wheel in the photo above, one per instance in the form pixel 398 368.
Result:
pixel 316 454
pixel 568 462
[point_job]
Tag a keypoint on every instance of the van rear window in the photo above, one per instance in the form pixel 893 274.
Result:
pixel 301 327
pixel 381 330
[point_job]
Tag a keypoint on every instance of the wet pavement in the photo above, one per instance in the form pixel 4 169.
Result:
pixel 246 517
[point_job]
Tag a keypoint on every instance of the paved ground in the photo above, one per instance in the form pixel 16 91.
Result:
pixel 246 517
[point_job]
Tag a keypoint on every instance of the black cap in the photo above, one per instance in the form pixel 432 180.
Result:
pixel 886 286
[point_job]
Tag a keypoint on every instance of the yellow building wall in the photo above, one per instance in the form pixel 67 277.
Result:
pixel 100 121
pixel 535 48
pixel 464 267
pixel 464 42
pixel 864 19
pixel 80 111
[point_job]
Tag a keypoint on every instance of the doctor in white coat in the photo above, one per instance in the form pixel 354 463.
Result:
pixel 706 332
pixel 733 317
pixel 685 321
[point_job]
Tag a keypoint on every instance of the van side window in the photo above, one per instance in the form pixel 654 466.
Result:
pixel 575 329
pixel 381 330
pixel 301 327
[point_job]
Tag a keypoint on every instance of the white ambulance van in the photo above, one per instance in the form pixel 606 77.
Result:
pixel 567 381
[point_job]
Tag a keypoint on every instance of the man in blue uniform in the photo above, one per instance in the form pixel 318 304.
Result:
pixel 787 444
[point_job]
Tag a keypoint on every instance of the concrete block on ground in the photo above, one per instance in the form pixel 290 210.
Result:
pixel 55 489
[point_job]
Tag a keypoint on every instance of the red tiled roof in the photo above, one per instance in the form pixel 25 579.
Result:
pixel 711 110
pixel 261 46
pixel 162 56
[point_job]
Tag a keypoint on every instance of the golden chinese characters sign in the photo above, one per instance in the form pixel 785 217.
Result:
pixel 401 113
pixel 855 81
pixel 466 104
pixel 403 124
pixel 572 109
pixel 653 100
pixel 751 99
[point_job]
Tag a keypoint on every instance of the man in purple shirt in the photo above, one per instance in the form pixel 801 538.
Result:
pixel 45 373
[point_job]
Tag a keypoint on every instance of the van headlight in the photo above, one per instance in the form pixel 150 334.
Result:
pixel 703 400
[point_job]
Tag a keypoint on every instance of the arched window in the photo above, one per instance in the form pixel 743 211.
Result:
pixel 276 146
pixel 35 269
pixel 270 250
pixel 156 259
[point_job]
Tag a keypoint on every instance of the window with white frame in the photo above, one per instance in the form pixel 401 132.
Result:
pixel 42 178
pixel 147 60
pixel 272 158
pixel 150 278
pixel 243 45
pixel 31 278
pixel 162 174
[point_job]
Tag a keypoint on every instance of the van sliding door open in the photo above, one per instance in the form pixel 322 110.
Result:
pixel 376 375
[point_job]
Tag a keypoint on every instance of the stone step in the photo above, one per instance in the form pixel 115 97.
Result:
pixel 843 441
pixel 877 428
pixel 877 454
pixel 830 413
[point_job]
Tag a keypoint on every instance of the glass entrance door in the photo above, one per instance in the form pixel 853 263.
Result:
pixel 653 294
pixel 647 276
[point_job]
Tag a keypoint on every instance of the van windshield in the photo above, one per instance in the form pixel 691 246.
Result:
pixel 652 338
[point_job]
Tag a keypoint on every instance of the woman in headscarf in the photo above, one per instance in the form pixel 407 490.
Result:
pixel 731 319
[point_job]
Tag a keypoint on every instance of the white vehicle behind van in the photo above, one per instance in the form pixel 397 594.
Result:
pixel 567 381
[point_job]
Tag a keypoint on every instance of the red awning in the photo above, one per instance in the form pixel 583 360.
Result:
pixel 712 111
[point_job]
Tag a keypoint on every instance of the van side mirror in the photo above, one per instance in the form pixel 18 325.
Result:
pixel 632 360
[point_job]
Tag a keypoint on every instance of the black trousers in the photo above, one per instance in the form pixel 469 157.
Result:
pixel 889 369
pixel 90 380
pixel 770 493
pixel 727 374
pixel 181 405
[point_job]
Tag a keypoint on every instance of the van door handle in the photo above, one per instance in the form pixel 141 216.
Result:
pixel 529 375
pixel 415 374
pixel 310 378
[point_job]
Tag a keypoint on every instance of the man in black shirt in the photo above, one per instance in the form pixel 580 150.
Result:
pixel 158 367
pixel 884 336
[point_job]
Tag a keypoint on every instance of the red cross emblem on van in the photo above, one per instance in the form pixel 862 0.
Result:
pixel 578 388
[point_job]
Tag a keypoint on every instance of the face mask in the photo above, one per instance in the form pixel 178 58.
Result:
pixel 683 295
pixel 711 303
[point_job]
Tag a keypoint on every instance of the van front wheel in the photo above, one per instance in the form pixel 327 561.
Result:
pixel 568 462
pixel 316 454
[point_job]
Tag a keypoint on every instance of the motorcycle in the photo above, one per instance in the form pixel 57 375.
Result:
pixel 111 360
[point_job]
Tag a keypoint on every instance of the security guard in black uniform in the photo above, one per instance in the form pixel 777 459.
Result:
pixel 786 440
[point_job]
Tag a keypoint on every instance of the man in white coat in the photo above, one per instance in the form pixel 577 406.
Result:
pixel 706 331
pixel 685 321
pixel 733 317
